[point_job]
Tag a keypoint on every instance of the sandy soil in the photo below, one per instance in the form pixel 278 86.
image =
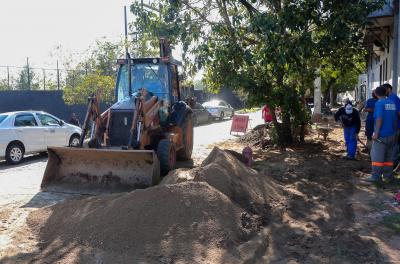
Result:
pixel 324 213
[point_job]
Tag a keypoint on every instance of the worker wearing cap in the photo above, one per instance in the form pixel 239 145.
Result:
pixel 351 122
pixel 396 100
pixel 384 137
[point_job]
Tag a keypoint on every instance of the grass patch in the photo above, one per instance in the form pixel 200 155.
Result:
pixel 248 110
pixel 392 222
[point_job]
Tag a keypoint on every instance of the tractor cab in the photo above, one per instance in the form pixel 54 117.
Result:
pixel 159 77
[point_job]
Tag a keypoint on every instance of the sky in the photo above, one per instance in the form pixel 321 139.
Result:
pixel 34 28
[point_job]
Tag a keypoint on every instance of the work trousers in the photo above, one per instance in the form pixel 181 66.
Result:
pixel 350 139
pixel 395 155
pixel 382 157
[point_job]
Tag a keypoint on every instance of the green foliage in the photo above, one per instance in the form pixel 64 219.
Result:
pixel 22 80
pixel 90 84
pixel 270 49
pixel 3 84
pixel 341 71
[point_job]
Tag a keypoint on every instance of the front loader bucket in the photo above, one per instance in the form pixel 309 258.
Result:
pixel 93 171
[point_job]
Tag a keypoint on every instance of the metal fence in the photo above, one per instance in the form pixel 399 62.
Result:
pixel 34 78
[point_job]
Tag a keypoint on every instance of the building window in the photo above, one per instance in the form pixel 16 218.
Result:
pixel 388 44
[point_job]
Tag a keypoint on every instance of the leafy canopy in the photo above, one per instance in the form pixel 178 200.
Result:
pixel 271 49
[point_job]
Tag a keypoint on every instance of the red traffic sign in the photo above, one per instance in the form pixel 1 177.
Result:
pixel 240 123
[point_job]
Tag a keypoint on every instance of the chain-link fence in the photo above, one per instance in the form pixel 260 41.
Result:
pixel 32 78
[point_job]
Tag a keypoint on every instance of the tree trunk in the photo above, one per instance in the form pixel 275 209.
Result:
pixel 283 130
pixel 325 97
pixel 303 122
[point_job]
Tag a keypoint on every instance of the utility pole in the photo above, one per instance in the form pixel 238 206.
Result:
pixel 27 69
pixel 128 56
pixel 8 78
pixel 58 77
pixel 44 79
pixel 73 79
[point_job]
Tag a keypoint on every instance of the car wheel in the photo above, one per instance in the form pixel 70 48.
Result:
pixel 74 141
pixel 195 121
pixel 221 117
pixel 14 153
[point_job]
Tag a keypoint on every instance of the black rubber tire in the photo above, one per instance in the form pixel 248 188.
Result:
pixel 166 153
pixel 195 120
pixel 74 137
pixel 43 154
pixel 187 139
pixel 221 117
pixel 9 149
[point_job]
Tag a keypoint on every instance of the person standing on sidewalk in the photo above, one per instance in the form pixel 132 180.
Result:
pixel 383 138
pixel 396 100
pixel 369 122
pixel 351 122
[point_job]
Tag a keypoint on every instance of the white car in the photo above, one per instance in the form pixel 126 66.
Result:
pixel 31 132
pixel 219 109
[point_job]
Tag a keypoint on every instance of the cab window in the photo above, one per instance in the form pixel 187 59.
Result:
pixel 25 120
pixel 222 104
pixel 47 120
pixel 175 81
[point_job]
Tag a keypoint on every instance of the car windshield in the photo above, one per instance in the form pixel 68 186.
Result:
pixel 153 77
pixel 2 117
pixel 211 103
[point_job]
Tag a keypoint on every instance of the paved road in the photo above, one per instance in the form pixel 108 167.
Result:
pixel 20 184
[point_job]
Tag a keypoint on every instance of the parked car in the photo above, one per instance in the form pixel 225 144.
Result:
pixel 31 132
pixel 200 114
pixel 219 109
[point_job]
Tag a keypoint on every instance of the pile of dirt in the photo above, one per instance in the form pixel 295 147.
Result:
pixel 251 190
pixel 258 136
pixel 189 222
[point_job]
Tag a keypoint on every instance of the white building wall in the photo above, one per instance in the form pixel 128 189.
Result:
pixel 374 69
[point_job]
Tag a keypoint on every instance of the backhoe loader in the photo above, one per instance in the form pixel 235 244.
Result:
pixel 136 140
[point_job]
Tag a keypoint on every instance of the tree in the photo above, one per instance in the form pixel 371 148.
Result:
pixel 91 84
pixel 27 80
pixel 271 49
pixel 4 85
pixel 340 72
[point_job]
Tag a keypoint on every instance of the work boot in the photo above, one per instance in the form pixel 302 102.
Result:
pixel 373 179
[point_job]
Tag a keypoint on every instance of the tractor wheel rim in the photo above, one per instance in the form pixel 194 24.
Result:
pixel 75 142
pixel 15 154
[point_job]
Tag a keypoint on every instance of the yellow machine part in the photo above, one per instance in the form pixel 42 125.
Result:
pixel 92 171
